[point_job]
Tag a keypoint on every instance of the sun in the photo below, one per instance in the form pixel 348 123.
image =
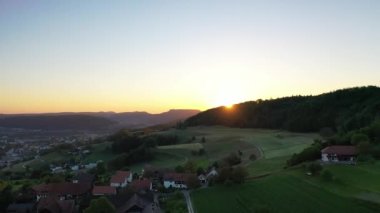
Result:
pixel 228 97
pixel 229 107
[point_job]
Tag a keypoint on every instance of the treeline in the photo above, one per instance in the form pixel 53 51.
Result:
pixel 342 110
pixel 132 148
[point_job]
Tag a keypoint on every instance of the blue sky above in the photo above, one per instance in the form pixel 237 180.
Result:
pixel 157 55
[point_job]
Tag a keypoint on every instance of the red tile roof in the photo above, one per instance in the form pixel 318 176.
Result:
pixel 340 150
pixel 62 188
pixel 103 190
pixel 139 185
pixel 53 204
pixel 120 176
pixel 177 176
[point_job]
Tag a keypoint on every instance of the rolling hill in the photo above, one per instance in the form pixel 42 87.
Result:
pixel 345 109
pixel 91 120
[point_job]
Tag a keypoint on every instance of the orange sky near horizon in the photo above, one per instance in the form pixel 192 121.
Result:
pixel 72 56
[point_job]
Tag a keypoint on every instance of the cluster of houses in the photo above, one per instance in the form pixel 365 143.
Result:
pixel 124 192
pixel 18 149
pixel 66 196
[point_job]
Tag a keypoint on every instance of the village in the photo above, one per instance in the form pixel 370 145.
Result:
pixel 20 145
pixel 138 191
pixel 127 191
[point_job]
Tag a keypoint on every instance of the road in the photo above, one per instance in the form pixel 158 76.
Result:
pixel 188 201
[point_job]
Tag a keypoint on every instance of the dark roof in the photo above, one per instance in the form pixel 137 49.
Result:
pixel 139 203
pixel 121 199
pixel 53 204
pixel 340 150
pixel 141 185
pixel 103 190
pixel 20 207
pixel 177 176
pixel 63 188
pixel 134 201
pixel 120 176
pixel 83 177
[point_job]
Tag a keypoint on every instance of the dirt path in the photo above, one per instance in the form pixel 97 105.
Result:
pixel 188 201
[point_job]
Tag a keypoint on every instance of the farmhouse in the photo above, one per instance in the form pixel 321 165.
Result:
pixel 63 191
pixel 339 154
pixel 103 190
pixel 176 180
pixel 121 179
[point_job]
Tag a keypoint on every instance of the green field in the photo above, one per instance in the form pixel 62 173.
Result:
pixel 276 193
pixel 101 151
pixel 44 160
pixel 354 188
pixel 272 147
pixel 188 146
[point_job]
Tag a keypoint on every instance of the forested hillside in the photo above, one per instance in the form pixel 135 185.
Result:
pixel 342 110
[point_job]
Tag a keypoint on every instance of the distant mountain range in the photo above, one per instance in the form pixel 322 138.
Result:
pixel 92 120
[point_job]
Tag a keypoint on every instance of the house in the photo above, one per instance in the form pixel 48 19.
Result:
pixel 142 185
pixel 339 154
pixel 176 180
pixel 56 170
pixel 21 208
pixel 212 173
pixel 139 204
pixel 90 165
pixel 103 190
pixel 135 203
pixel 83 177
pixel 202 178
pixel 121 179
pixel 63 191
pixel 52 204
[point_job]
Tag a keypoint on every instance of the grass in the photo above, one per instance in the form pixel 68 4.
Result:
pixel 162 159
pixel 101 151
pixel 360 181
pixel 173 203
pixel 276 193
pixel 272 147
pixel 38 163
pixel 189 146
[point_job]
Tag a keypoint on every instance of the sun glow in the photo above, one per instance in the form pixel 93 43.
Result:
pixel 227 97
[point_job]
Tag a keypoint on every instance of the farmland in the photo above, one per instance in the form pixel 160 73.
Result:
pixel 272 147
pixel 354 188
pixel 277 193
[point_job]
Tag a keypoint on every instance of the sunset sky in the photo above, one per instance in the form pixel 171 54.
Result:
pixel 157 55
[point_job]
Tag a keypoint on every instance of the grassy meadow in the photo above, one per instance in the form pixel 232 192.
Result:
pixel 272 147
pixel 275 193
pixel 353 188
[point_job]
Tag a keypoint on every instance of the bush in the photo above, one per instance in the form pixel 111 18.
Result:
pixel 359 137
pixel 311 153
pixel 239 174
pixel 314 168
pixel 232 159
pixel 252 157
pixel 365 158
pixel 179 169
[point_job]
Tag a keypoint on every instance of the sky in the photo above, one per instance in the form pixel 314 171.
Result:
pixel 137 55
